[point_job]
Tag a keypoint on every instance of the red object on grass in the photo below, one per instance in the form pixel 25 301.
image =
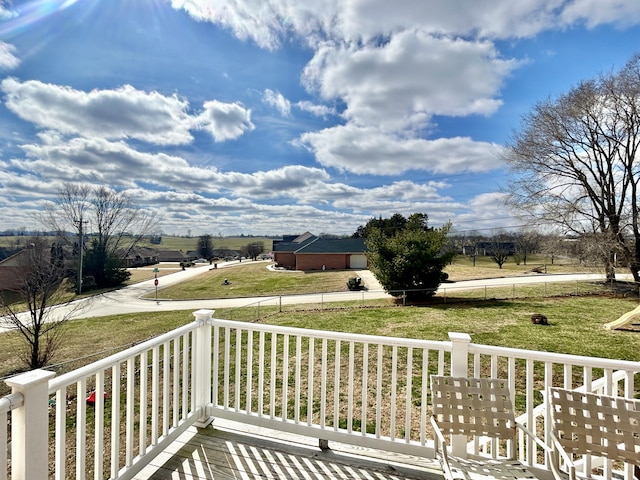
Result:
pixel 91 399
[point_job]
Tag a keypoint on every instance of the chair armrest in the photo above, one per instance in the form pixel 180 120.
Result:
pixel 557 450
pixel 438 440
pixel 533 436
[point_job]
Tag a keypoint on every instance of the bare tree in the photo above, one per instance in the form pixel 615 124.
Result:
pixel 252 250
pixel 574 159
pixel 113 224
pixel 553 245
pixel 500 249
pixel 39 273
pixel 526 241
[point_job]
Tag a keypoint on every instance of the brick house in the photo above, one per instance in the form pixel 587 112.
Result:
pixel 308 252
pixel 13 271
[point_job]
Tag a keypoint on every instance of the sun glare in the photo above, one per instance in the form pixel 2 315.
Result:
pixel 31 13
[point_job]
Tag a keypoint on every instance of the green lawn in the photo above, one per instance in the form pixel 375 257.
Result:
pixel 576 327
pixel 251 279
pixel 576 322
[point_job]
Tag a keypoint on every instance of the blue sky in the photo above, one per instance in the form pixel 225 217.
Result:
pixel 273 117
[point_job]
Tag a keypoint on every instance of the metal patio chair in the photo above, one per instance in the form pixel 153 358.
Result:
pixel 477 407
pixel 589 424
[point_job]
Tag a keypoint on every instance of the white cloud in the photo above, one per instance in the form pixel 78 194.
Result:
pixel 277 100
pixel 314 109
pixel 269 22
pixel 265 22
pixel 6 13
pixel 121 113
pixel 366 150
pixel 115 163
pixel 225 121
pixel 404 82
pixel 8 61
pixel 621 13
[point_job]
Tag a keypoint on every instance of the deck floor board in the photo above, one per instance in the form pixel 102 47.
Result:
pixel 229 453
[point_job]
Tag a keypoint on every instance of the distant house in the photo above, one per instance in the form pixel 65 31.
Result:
pixel 141 256
pixel 12 271
pixel 171 256
pixel 308 252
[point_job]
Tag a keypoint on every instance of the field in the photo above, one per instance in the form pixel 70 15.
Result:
pixel 169 242
pixel 190 243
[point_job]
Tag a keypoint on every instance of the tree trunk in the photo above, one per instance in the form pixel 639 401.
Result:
pixel 610 269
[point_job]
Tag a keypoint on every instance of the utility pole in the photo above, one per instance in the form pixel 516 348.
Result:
pixel 80 251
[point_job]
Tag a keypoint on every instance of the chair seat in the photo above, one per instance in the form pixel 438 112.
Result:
pixel 484 469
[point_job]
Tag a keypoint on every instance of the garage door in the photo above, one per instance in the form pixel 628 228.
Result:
pixel 358 261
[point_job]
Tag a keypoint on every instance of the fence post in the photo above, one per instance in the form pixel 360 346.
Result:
pixel 30 426
pixel 202 368
pixel 459 368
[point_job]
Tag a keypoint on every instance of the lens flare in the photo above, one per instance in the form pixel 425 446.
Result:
pixel 28 14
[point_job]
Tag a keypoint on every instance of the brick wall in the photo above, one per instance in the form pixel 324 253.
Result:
pixel 338 261
pixel 285 259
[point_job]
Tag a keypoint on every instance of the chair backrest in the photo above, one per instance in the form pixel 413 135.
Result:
pixel 473 406
pixel 600 425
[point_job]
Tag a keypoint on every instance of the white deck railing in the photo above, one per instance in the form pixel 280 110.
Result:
pixel 359 389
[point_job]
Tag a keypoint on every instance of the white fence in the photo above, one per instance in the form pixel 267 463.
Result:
pixel 364 390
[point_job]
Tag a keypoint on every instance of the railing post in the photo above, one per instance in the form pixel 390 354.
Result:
pixel 30 426
pixel 459 368
pixel 459 353
pixel 202 367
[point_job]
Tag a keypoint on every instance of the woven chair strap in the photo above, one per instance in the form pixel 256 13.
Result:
pixel 473 406
pixel 601 425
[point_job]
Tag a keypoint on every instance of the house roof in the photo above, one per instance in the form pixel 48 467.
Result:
pixel 17 259
pixel 295 244
pixel 139 252
pixel 170 255
pixel 304 238
pixel 340 245
pixel 313 244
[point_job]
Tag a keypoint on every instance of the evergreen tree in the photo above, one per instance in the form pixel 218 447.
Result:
pixel 411 260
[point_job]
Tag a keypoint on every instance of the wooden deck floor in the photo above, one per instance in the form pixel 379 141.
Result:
pixel 230 452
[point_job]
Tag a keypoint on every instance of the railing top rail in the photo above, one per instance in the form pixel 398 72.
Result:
pixel 577 360
pixel 88 370
pixel 330 335
pixel 11 402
